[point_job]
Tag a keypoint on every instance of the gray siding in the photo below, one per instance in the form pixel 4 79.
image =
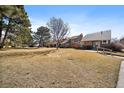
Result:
pixel 103 35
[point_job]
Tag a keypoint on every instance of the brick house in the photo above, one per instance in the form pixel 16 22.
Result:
pixel 73 42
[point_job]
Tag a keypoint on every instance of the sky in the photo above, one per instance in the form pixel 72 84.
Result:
pixel 81 18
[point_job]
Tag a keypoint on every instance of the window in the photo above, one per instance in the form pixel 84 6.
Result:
pixel 104 42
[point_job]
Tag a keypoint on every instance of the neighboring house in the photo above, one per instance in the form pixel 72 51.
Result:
pixel 52 43
pixel 90 40
pixel 96 39
pixel 73 42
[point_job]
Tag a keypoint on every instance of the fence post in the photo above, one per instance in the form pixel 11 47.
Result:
pixel 111 52
pixel 97 49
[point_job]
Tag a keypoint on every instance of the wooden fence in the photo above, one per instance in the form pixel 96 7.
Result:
pixel 104 50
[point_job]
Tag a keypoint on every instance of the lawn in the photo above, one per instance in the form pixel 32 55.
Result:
pixel 57 68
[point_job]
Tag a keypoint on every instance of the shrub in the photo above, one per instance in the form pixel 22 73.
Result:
pixel 87 47
pixel 115 46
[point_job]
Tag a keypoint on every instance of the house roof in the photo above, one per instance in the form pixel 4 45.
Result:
pixel 72 38
pixel 103 35
pixel 75 37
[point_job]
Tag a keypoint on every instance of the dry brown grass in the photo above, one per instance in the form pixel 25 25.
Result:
pixel 63 68
pixel 24 52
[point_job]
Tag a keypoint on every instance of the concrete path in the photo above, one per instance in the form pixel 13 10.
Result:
pixel 120 83
pixel 90 51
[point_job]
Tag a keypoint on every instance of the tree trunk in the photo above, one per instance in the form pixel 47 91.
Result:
pixel 1 29
pixel 7 30
pixel 57 45
pixel 42 43
pixel 39 43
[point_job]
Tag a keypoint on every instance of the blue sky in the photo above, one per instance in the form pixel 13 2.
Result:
pixel 82 19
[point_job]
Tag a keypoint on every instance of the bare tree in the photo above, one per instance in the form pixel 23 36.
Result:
pixel 59 29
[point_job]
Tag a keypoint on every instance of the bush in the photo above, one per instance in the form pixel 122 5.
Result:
pixel 87 47
pixel 115 46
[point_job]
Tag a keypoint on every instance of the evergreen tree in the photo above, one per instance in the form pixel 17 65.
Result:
pixel 42 36
pixel 13 19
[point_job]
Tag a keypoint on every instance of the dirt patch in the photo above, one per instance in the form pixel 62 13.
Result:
pixel 24 52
